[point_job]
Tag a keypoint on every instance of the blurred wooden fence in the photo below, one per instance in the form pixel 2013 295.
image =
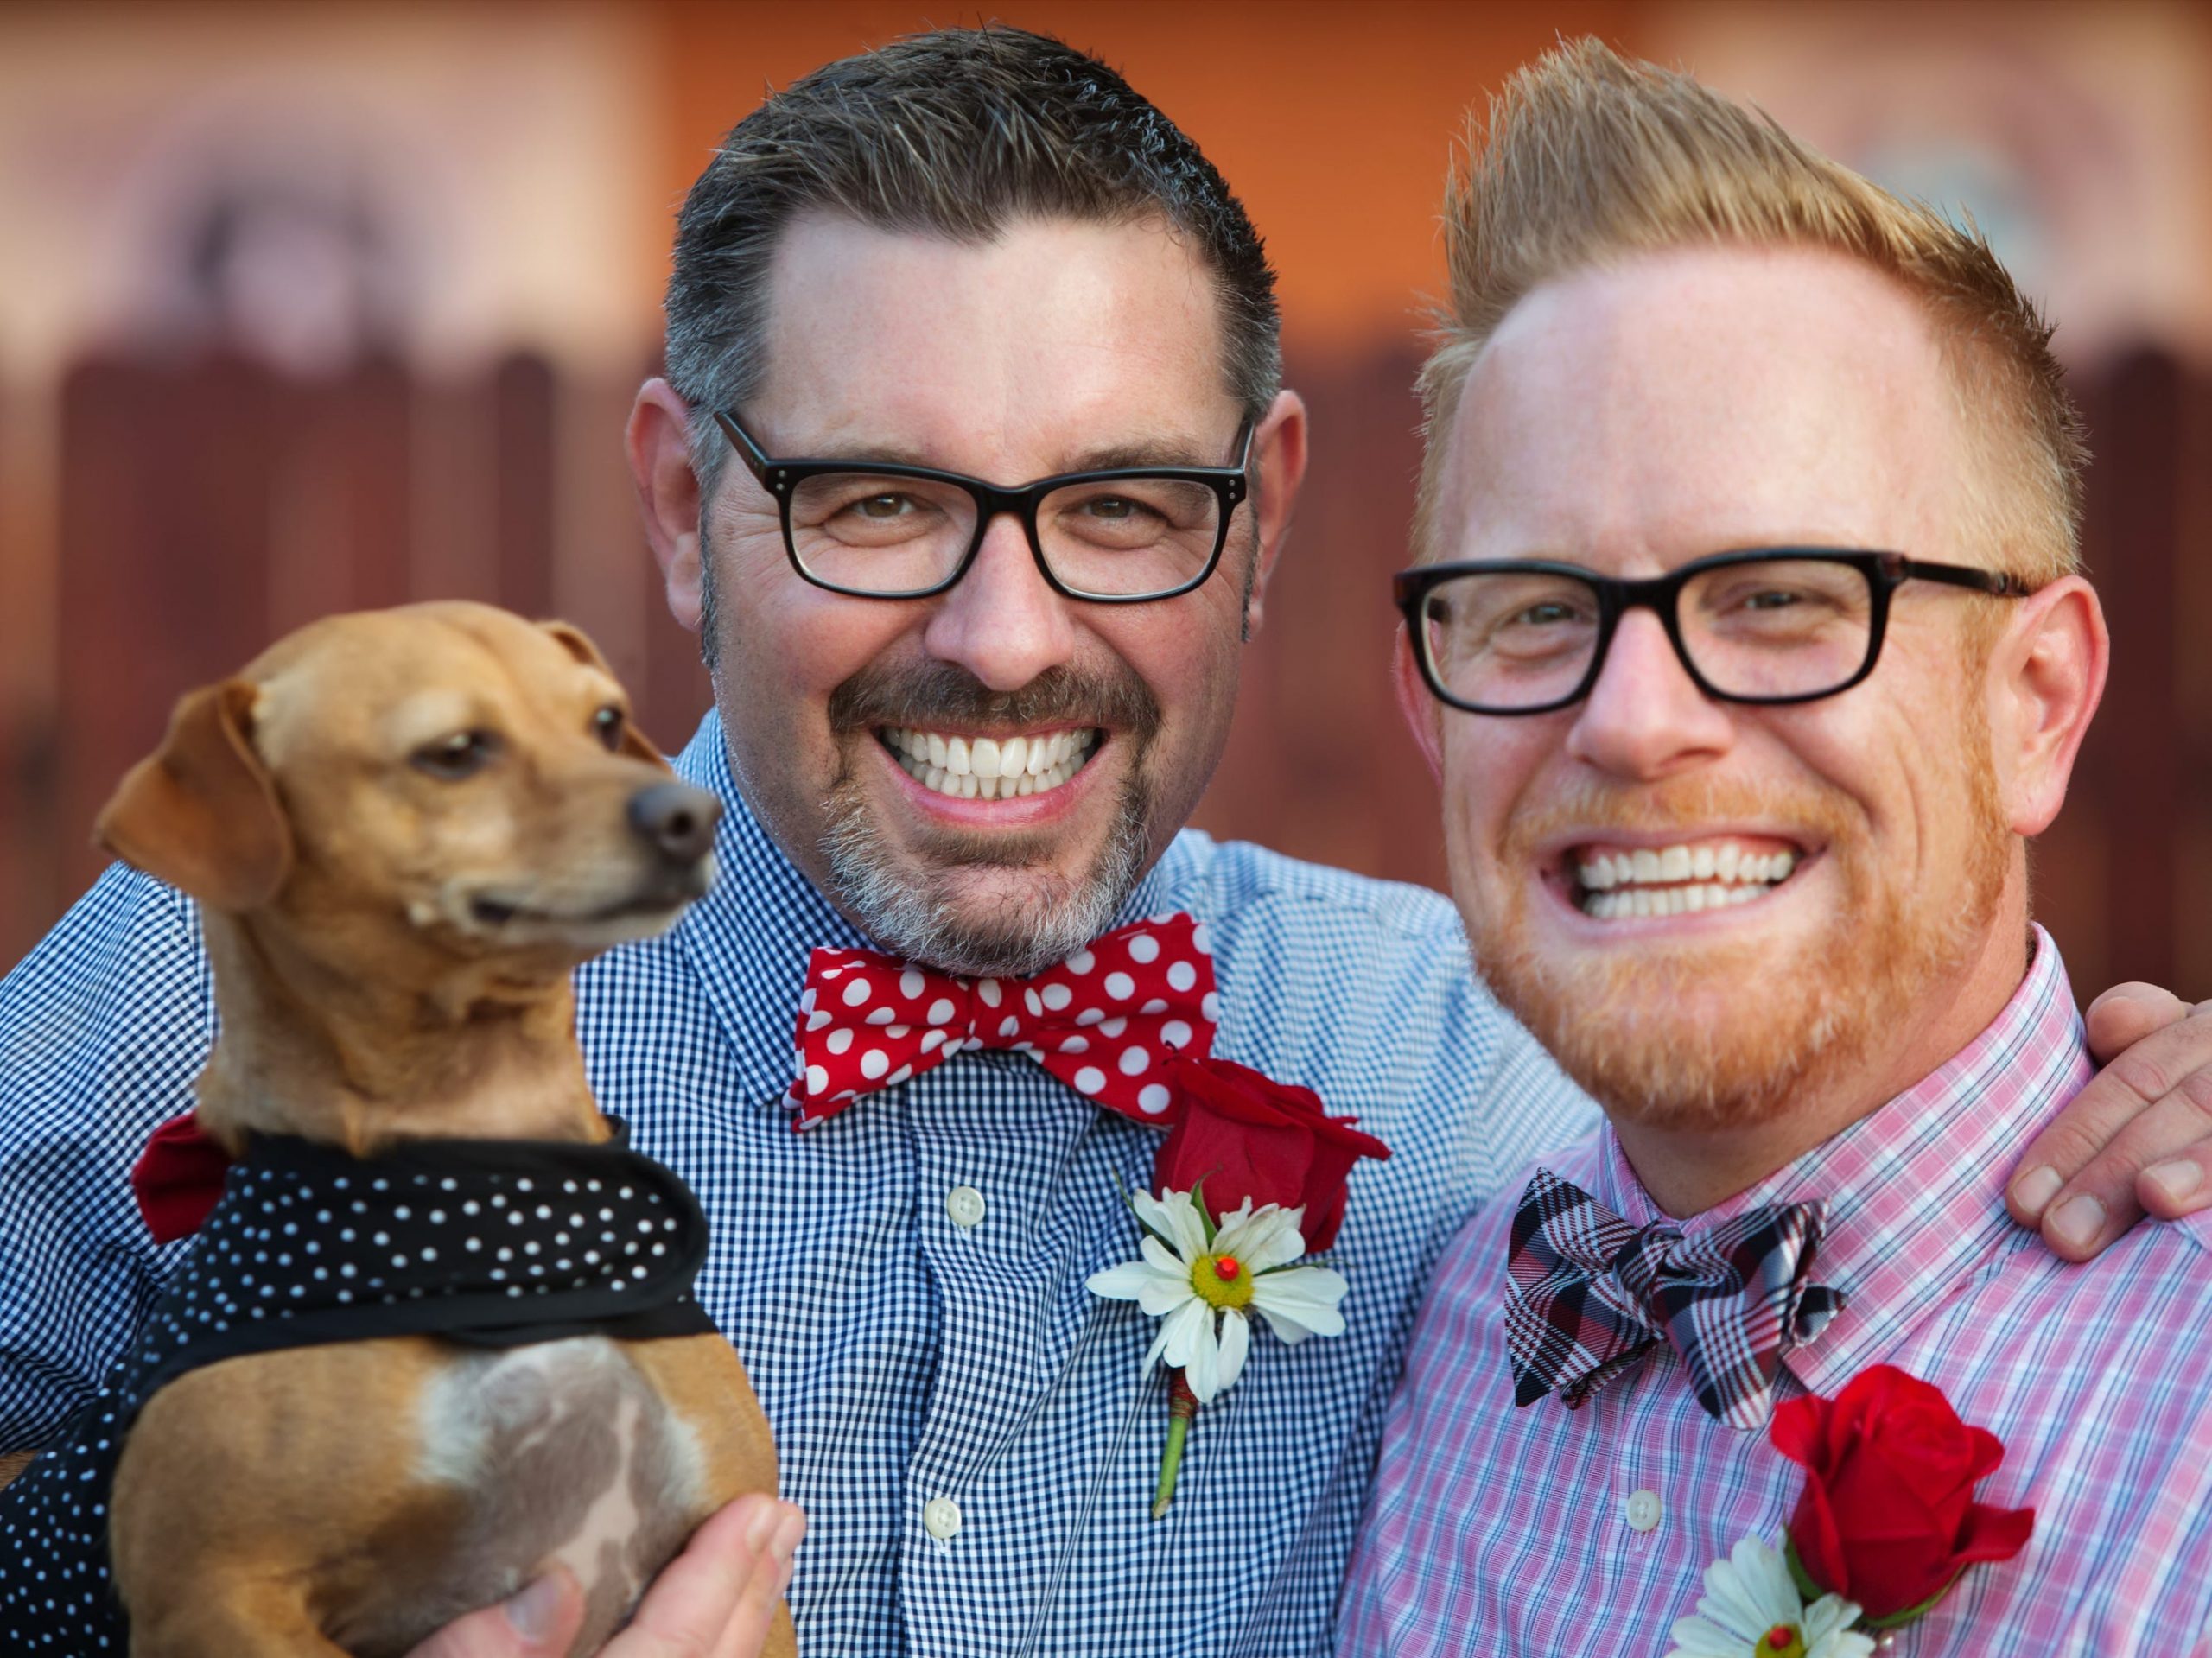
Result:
pixel 198 510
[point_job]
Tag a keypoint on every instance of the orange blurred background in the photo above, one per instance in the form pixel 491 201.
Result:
pixel 308 308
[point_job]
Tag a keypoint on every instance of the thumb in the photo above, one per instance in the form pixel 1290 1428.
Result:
pixel 538 1623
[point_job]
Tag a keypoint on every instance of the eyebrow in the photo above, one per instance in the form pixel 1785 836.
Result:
pixel 1175 453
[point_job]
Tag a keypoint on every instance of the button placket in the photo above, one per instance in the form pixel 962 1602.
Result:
pixel 965 1206
pixel 941 1518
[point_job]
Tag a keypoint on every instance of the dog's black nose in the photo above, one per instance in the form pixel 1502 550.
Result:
pixel 678 819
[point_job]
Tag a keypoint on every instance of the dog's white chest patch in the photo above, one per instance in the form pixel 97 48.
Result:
pixel 568 1456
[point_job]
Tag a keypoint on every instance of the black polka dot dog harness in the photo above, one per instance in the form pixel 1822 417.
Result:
pixel 493 1243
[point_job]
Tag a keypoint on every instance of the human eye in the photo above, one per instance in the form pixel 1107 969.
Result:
pixel 1129 513
pixel 1781 599
pixel 861 509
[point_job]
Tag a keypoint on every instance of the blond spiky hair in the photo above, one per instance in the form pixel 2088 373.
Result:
pixel 1587 159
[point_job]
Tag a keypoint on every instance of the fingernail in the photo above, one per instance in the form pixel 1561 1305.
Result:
pixel 787 1536
pixel 531 1612
pixel 2077 1221
pixel 761 1527
pixel 2175 1180
pixel 2036 1188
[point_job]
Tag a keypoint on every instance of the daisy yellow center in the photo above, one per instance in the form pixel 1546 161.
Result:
pixel 1222 1281
pixel 1783 1640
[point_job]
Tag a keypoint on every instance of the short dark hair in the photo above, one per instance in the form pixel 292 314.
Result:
pixel 954 133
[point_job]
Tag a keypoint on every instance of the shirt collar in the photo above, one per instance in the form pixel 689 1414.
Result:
pixel 749 938
pixel 1915 1191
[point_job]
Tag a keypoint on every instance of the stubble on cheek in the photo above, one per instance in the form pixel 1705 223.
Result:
pixel 1724 1032
pixel 987 902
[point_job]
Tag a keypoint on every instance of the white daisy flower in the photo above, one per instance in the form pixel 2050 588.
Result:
pixel 1751 1609
pixel 1206 1292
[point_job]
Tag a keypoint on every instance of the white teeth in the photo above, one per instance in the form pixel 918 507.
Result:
pixel 1658 882
pixel 988 768
pixel 1646 866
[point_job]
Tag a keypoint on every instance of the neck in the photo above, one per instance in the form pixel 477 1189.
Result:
pixel 362 1062
pixel 1688 1171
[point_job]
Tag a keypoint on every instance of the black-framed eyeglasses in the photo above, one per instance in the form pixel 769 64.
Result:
pixel 1772 624
pixel 880 530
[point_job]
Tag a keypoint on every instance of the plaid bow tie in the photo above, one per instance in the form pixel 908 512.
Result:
pixel 1105 1021
pixel 1589 1295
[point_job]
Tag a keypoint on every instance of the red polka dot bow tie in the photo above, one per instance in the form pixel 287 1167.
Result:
pixel 1105 1021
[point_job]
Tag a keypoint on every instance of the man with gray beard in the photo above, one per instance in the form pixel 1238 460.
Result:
pixel 971 462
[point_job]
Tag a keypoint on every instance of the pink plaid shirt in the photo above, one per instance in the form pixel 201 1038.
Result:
pixel 1548 1531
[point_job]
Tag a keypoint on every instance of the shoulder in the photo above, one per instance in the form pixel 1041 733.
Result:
pixel 1362 989
pixel 1241 881
pixel 112 1014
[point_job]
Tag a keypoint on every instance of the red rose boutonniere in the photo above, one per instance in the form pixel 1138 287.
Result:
pixel 1888 1516
pixel 1885 1525
pixel 1251 1178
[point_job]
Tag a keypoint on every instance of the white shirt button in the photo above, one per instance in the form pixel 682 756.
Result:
pixel 965 1206
pixel 941 1518
pixel 1643 1509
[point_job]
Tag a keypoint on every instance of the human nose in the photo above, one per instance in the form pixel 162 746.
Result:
pixel 1001 621
pixel 1645 717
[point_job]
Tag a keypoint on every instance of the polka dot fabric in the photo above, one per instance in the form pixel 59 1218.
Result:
pixel 1105 1021
pixel 493 1243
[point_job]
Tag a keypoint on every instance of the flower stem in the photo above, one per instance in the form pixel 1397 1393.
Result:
pixel 1182 1406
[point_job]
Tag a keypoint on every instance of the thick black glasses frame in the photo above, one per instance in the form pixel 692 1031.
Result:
pixel 1885 572
pixel 781 479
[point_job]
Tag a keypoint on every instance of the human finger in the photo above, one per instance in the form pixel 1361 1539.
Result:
pixel 538 1623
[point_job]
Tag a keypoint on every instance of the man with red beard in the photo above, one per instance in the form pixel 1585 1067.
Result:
pixel 1749 645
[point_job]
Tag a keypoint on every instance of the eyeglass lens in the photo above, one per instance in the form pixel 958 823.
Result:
pixel 872 533
pixel 1767 628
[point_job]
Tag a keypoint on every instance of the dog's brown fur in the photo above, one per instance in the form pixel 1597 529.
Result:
pixel 392 931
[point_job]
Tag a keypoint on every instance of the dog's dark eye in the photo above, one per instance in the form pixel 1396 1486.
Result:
pixel 607 723
pixel 461 755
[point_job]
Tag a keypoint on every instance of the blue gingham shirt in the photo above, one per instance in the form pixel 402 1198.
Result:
pixel 902 1357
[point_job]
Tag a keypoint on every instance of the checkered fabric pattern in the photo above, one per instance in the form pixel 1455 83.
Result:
pixel 900 1355
pixel 1546 1530
pixel 1588 1295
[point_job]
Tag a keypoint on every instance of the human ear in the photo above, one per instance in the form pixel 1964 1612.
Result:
pixel 2046 674
pixel 1278 467
pixel 1424 715
pixel 658 442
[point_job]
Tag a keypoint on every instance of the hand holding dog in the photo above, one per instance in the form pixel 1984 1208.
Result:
pixel 715 1600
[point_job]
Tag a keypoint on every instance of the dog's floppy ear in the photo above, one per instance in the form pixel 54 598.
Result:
pixel 202 812
pixel 574 640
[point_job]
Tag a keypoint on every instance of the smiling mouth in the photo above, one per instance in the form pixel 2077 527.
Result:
pixel 1620 883
pixel 961 766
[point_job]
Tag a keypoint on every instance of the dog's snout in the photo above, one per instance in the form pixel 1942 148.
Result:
pixel 678 819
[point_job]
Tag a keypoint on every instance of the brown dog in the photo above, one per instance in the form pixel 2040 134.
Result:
pixel 406 829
